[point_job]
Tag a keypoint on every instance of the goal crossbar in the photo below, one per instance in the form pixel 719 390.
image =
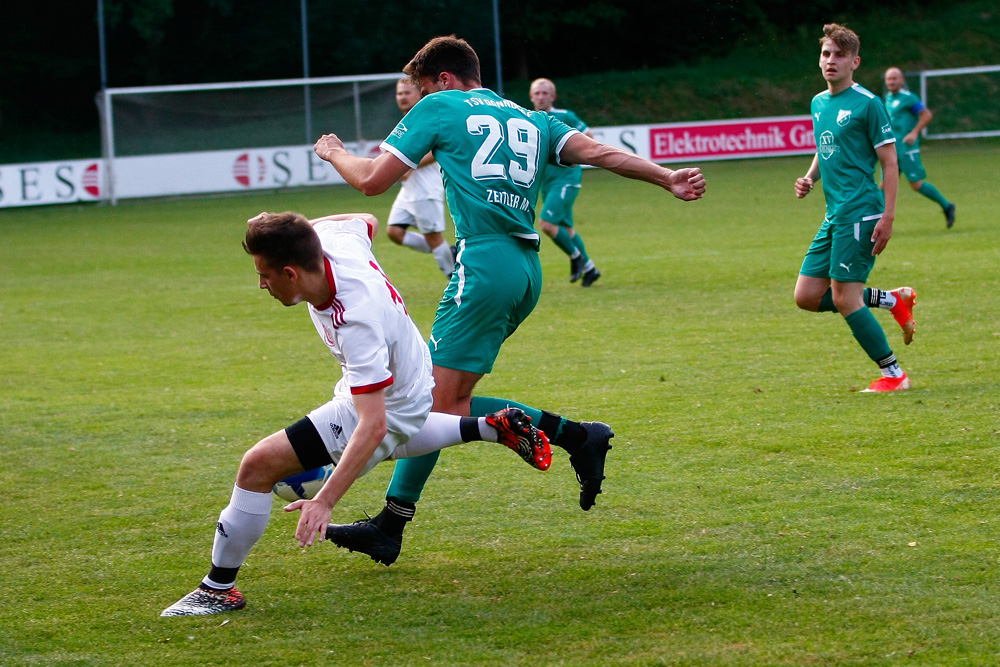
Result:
pixel 956 71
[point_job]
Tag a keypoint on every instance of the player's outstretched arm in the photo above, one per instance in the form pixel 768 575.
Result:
pixel 364 441
pixel 687 184
pixel 366 175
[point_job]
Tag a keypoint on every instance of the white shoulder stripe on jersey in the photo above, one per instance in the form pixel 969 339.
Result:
pixel 402 158
pixel 864 91
pixel 562 142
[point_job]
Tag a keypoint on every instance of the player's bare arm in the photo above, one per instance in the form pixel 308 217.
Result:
pixel 804 185
pixel 923 121
pixel 364 441
pixel 890 185
pixel 687 184
pixel 370 176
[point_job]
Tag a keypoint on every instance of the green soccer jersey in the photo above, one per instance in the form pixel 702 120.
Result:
pixel 904 111
pixel 556 176
pixel 849 126
pixel 491 152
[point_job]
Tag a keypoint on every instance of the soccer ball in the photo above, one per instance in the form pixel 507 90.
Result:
pixel 304 485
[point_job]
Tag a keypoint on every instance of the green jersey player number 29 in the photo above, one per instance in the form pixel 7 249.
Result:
pixel 522 137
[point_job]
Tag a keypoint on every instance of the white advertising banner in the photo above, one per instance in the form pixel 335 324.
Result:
pixel 298 166
pixel 50 182
pixel 222 171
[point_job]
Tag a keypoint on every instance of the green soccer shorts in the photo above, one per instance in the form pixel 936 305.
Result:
pixel 909 162
pixel 557 204
pixel 841 252
pixel 496 284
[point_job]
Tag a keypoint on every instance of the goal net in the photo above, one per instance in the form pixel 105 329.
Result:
pixel 157 120
pixel 963 101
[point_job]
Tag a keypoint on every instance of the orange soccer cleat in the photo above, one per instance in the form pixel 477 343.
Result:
pixel 906 299
pixel 514 430
pixel 888 384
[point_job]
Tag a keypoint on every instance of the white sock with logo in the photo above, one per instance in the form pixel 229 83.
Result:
pixel 240 525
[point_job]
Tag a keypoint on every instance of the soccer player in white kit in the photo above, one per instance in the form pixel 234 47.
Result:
pixel 420 202
pixel 381 406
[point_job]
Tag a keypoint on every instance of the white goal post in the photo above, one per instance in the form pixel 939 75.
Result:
pixel 158 120
pixel 981 82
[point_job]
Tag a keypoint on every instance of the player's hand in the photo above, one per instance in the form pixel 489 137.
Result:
pixel 687 184
pixel 910 139
pixel 313 521
pixel 256 218
pixel 882 234
pixel 803 186
pixel 327 145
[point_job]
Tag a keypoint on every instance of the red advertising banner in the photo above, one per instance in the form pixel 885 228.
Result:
pixel 729 139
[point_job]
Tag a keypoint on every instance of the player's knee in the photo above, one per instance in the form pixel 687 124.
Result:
pixel 916 185
pixel 260 469
pixel 807 301
pixel 253 471
pixel 847 302
pixel 396 233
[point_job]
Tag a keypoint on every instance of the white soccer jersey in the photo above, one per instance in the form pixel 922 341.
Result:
pixel 365 323
pixel 423 183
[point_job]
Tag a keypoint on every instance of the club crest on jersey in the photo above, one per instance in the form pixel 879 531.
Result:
pixel 843 117
pixel 827 145
pixel 328 336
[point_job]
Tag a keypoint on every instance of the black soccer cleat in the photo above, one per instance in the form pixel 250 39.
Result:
pixel 367 538
pixel 576 266
pixel 588 461
pixel 590 277
pixel 949 215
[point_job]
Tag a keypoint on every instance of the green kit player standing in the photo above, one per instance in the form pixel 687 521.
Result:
pixel 560 186
pixel 491 153
pixel 853 133
pixel 909 116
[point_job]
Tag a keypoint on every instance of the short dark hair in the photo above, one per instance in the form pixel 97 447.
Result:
pixel 445 54
pixel 842 36
pixel 285 239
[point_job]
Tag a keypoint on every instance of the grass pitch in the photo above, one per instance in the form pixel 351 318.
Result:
pixel 758 509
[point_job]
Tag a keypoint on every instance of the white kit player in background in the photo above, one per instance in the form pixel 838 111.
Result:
pixel 381 407
pixel 420 202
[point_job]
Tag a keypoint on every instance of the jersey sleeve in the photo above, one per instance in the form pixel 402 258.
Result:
pixel 915 105
pixel 354 227
pixel 558 133
pixel 878 125
pixel 415 135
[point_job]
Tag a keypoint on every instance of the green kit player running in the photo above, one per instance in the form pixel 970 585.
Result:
pixel 909 117
pixel 560 186
pixel 853 132
pixel 492 152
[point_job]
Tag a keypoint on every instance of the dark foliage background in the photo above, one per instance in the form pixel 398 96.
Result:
pixel 49 51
